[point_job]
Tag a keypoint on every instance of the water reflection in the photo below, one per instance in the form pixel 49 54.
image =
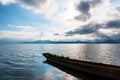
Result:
pixel 102 53
pixel 25 61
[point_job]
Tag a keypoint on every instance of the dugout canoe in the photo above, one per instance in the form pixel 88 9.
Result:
pixel 107 71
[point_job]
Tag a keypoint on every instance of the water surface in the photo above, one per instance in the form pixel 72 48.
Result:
pixel 25 61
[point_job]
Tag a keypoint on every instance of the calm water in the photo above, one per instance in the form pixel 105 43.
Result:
pixel 25 61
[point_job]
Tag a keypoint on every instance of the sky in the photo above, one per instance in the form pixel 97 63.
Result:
pixel 85 20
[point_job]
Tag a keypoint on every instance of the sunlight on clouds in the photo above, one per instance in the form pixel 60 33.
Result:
pixel 100 13
pixel 109 32
pixel 85 19
pixel 114 13
pixel 65 15
pixel 48 8
pixel 34 33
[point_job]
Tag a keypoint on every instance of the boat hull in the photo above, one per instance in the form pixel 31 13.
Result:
pixel 98 69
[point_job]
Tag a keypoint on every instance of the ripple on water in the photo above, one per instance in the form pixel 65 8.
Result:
pixel 25 61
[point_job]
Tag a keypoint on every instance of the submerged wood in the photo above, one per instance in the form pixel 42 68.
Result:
pixel 109 72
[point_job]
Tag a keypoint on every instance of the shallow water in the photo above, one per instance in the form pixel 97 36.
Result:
pixel 25 61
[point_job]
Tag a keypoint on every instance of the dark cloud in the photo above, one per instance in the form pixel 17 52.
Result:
pixel 118 8
pixel 84 7
pixel 86 29
pixel 95 27
pixel 56 34
pixel 109 38
pixel 113 24
pixel 95 3
pixel 34 3
pixel 83 17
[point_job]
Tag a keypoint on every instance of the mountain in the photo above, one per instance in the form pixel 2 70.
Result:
pixel 50 42
pixel 71 41
pixel 10 41
pixel 7 41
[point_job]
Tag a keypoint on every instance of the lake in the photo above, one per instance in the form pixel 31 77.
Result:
pixel 26 62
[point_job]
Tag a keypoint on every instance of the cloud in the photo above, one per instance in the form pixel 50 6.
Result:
pixel 9 25
pixel 118 8
pixel 56 34
pixel 113 24
pixel 86 29
pixel 105 31
pixel 6 2
pixel 25 28
pixel 95 19
pixel 84 8
pixel 33 3
pixel 109 35
pixel 103 26
pixel 20 35
pixel 48 8
pixel 21 32
pixel 95 3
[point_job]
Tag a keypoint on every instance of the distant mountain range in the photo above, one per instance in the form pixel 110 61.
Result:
pixel 51 42
pixel 67 42
pixel 2 41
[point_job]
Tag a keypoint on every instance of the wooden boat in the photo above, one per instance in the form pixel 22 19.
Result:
pixel 109 72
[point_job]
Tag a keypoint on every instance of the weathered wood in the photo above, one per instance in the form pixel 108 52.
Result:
pixel 99 69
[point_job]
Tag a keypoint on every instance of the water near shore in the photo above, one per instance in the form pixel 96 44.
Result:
pixel 25 61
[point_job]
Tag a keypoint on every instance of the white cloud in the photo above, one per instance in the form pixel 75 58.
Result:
pixel 21 32
pixel 102 14
pixel 62 14
pixel 22 27
pixel 32 32
pixel 25 28
pixel 48 8
pixel 22 35
pixel 110 33
pixel 9 25
pixel 5 2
